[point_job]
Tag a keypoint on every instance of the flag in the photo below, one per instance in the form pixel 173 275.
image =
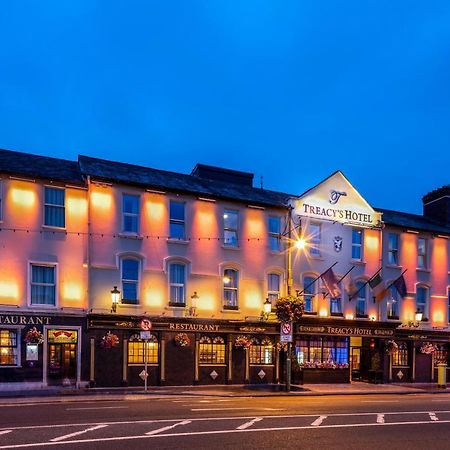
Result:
pixel 378 287
pixel 330 282
pixel 350 287
pixel 400 285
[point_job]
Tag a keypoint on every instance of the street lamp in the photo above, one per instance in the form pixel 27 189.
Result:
pixel 115 299
pixel 194 303
pixel 267 309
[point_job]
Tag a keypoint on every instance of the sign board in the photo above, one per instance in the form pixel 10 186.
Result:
pixel 146 325
pixel 146 335
pixel 286 332
pixel 143 375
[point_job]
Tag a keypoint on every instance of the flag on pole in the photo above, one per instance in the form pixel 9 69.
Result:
pixel 378 287
pixel 400 285
pixel 330 282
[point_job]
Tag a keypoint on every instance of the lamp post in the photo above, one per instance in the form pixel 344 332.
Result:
pixel 115 299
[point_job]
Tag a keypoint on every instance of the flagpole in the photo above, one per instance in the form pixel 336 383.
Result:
pixel 398 278
pixel 326 293
pixel 365 284
pixel 315 279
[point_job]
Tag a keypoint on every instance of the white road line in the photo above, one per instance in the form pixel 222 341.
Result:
pixel 249 424
pixel 318 421
pixel 66 436
pixel 433 416
pixel 5 431
pixel 169 427
pixel 97 407
pixel 380 401
pixel 380 418
pixel 230 409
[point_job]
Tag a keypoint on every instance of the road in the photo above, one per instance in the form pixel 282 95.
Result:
pixel 182 422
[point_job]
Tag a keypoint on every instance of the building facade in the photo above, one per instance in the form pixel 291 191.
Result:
pixel 94 252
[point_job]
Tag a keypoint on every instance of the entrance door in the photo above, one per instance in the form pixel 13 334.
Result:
pixel 62 363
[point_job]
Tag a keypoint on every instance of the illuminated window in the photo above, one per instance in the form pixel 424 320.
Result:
pixel 400 356
pixel 422 294
pixel 274 233
pixel 336 306
pixel 273 287
pixel 440 356
pixel 361 299
pixel 138 350
pixel 230 228
pixel 393 249
pixel 320 350
pixel 230 289
pixel 43 284
pixel 54 207
pixel 176 220
pixel 314 239
pixel 177 284
pixel 392 303
pixel 357 244
pixel 422 253
pixel 261 351
pixel 130 213
pixel 211 350
pixel 130 280
pixel 8 348
pixel 309 293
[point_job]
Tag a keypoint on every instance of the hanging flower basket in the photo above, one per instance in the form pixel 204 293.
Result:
pixel 289 308
pixel 428 348
pixel 109 340
pixel 242 342
pixel 391 347
pixel 182 340
pixel 34 336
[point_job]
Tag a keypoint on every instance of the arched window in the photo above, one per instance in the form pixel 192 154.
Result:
pixel 400 356
pixel 211 350
pixel 138 350
pixel 392 303
pixel 130 271
pixel 230 289
pixel 273 287
pixel 361 299
pixel 261 351
pixel 177 284
pixel 422 295
pixel 309 293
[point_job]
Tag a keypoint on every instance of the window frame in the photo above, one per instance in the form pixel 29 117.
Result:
pixel 128 214
pixel 315 240
pixel 393 299
pixel 30 283
pixel 273 294
pixel 400 357
pixel 258 352
pixel 177 285
pixel 124 300
pixel 231 229
pixel 177 221
pixel 17 347
pixel 137 342
pixel 423 255
pixel 426 303
pixel 274 237
pixel 356 245
pixel 226 288
pixel 393 252
pixel 360 296
pixel 52 205
pixel 216 347
pixel 313 295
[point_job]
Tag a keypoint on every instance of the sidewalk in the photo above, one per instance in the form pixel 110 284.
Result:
pixel 130 393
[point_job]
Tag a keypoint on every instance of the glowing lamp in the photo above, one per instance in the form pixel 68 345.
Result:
pixel 115 299
pixel 323 313
pixel 418 315
pixel 300 244
pixel 349 316
pixel 226 279
pixel 267 306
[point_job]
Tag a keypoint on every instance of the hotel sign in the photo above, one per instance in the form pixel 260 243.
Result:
pixel 346 331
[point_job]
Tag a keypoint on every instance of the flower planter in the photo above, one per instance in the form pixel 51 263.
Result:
pixel 317 376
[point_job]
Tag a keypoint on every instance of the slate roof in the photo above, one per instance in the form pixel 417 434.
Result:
pixel 110 171
pixel 43 167
pixel 411 221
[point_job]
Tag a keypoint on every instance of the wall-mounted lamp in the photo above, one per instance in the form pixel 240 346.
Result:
pixel 267 309
pixel 194 304
pixel 300 243
pixel 115 299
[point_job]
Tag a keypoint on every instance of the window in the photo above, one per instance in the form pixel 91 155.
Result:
pixel 361 303
pixel 393 249
pixel 130 213
pixel 422 253
pixel 400 356
pixel 54 207
pixel 323 352
pixel 261 351
pixel 440 355
pixel 211 350
pixel 357 239
pixel 422 300
pixel 309 292
pixel 177 223
pixel 392 303
pixel 230 228
pixel 138 350
pixel 314 232
pixel 43 284
pixel 230 289
pixel 177 284
pixel 273 287
pixel 130 280
pixel 8 348
pixel 274 234
pixel 335 306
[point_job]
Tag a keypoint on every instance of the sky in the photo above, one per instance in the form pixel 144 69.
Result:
pixel 288 90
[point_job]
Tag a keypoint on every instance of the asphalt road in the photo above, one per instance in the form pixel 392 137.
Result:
pixel 166 422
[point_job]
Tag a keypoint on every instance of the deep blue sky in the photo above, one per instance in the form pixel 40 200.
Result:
pixel 289 90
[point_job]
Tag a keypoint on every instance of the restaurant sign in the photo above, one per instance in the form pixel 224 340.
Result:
pixel 14 319
pixel 346 331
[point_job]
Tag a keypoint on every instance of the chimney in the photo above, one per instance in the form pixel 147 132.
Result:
pixel 221 174
pixel 436 205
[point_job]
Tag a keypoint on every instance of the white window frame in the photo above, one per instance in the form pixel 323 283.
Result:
pixel 183 285
pixel 424 255
pixel 358 245
pixel 54 206
pixel 227 307
pixel 315 240
pixel 271 292
pixel 362 294
pixel 235 230
pixel 393 298
pixel 125 301
pixel 425 310
pixel 394 251
pixel 45 264
pixel 273 235
pixel 178 221
pixel 127 214
pixel 18 331
pixel 314 294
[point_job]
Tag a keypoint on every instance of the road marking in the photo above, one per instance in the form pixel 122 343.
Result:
pixel 380 418
pixel 66 436
pixel 318 421
pixel 169 427
pixel 5 431
pixel 433 416
pixel 230 409
pixel 249 424
pixel 380 401
pixel 97 407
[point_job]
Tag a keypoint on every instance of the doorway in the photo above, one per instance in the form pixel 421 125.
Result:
pixel 62 363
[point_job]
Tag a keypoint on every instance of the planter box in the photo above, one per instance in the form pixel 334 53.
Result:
pixel 317 376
